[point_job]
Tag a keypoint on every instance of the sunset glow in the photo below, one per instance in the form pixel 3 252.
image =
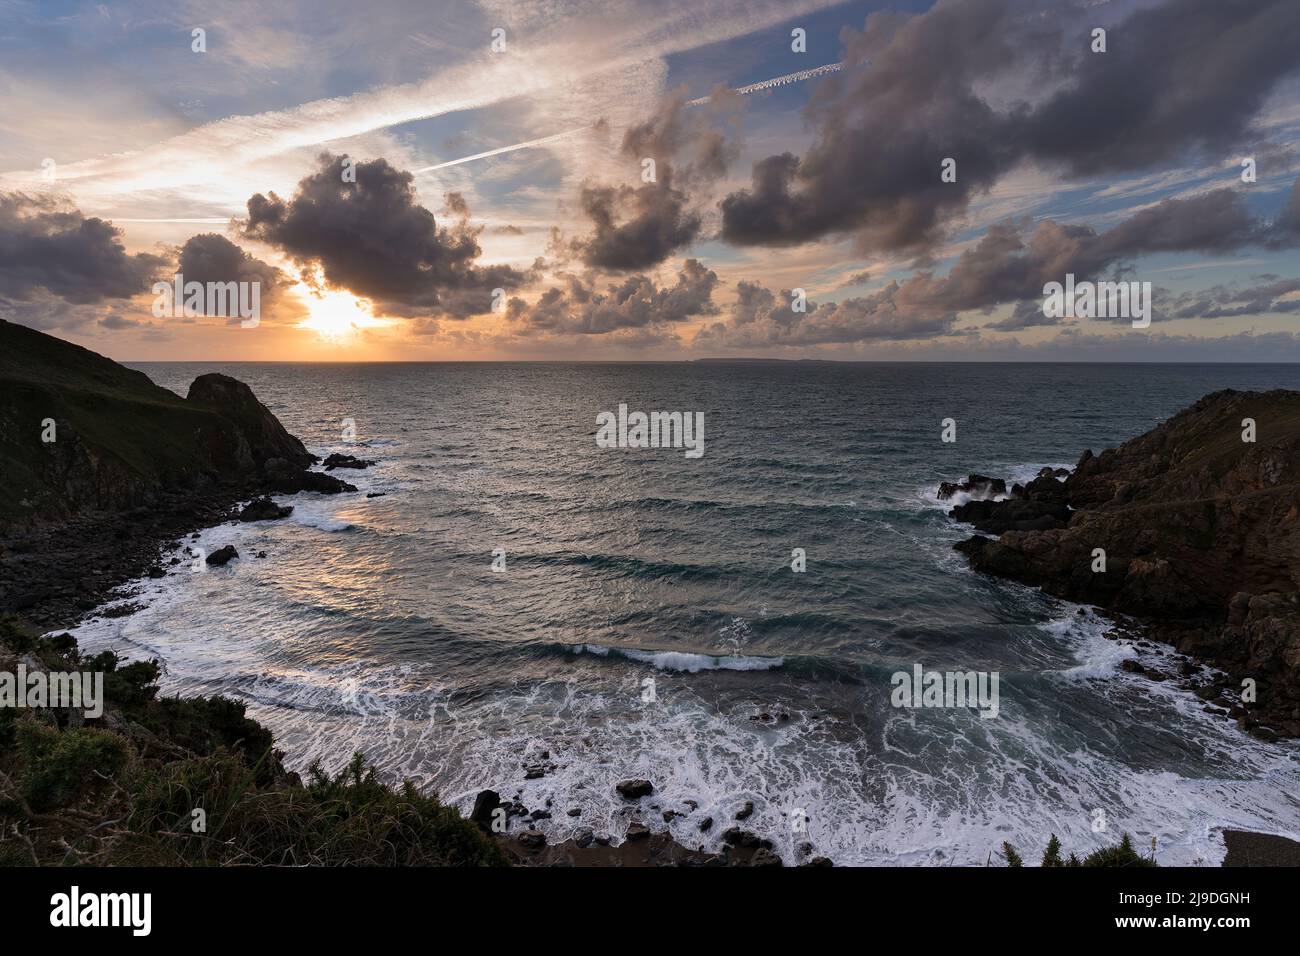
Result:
pixel 337 316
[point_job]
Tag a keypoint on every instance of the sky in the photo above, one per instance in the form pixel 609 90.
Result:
pixel 908 190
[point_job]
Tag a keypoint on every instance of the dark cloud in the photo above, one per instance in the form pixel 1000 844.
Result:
pixel 635 228
pixel 43 310
pixel 639 227
pixel 1270 296
pixel 1010 264
pixel 1185 75
pixel 115 321
pixel 374 239
pixel 761 319
pixel 50 249
pixel 1286 227
pixel 636 302
pixel 209 257
pixel 1178 79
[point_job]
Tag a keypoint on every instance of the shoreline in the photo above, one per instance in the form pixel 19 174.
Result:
pixel 91 564
pixel 661 848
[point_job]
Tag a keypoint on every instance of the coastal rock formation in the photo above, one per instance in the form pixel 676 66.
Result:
pixel 264 509
pixel 1199 530
pixel 981 485
pixel 100 466
pixel 223 556
pixel 345 461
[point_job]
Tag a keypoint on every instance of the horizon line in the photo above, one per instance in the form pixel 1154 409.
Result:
pixel 707 361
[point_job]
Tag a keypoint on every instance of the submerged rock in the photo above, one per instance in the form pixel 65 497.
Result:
pixel 981 485
pixel 264 509
pixel 345 461
pixel 222 556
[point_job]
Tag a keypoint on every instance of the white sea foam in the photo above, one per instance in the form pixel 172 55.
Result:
pixel 878 786
pixel 683 661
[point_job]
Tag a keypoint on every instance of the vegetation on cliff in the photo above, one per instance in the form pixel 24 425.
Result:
pixel 124 789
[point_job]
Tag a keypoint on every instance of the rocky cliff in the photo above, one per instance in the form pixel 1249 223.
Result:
pixel 1193 527
pixel 98 464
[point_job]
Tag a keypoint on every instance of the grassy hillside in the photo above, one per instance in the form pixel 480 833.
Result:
pixel 118 436
pixel 119 439
pixel 124 790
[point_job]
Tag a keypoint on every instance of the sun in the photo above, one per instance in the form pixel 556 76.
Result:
pixel 335 315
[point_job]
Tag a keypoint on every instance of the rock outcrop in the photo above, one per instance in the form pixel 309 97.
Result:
pixel 1190 527
pixel 98 466
pixel 80 434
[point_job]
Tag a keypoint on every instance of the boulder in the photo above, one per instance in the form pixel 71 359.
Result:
pixel 345 461
pixel 735 836
pixel 485 804
pixel 976 485
pixel 264 509
pixel 634 789
pixel 222 556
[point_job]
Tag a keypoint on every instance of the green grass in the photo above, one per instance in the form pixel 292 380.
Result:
pixel 112 422
pixel 126 792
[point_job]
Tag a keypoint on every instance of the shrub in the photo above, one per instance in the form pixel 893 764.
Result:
pixel 59 765
pixel 1122 855
pixel 1052 855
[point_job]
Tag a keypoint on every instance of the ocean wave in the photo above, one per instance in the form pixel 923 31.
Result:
pixel 322 522
pixel 683 661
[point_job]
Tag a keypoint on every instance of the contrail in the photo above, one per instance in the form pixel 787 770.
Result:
pixel 778 81
pixel 505 149
pixel 758 87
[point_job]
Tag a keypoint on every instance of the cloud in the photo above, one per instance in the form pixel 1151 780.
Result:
pixel 655 224
pixel 372 238
pixel 637 228
pixel 115 321
pixel 636 302
pixel 1179 78
pixel 561 57
pixel 1008 264
pixel 209 257
pixel 1272 295
pixel 1186 75
pixel 48 246
pixel 760 319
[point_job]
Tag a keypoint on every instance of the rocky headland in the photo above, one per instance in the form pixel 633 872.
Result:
pixel 1191 531
pixel 102 469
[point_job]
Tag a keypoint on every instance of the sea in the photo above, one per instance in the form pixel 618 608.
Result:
pixel 517 598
